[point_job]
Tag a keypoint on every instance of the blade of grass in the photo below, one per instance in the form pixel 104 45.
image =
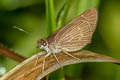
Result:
pixel 50 16
pixel 58 75
pixel 65 13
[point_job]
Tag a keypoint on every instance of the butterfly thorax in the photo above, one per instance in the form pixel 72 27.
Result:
pixel 49 48
pixel 56 48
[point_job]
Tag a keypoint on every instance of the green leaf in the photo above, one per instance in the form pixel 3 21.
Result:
pixel 65 13
pixel 57 75
pixel 50 16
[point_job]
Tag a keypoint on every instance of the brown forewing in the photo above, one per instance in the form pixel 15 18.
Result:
pixel 78 32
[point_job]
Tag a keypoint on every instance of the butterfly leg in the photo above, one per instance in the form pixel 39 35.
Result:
pixel 44 57
pixel 69 54
pixel 57 60
pixel 36 60
pixel 43 68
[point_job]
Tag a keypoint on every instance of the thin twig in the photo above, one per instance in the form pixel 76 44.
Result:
pixel 8 53
pixel 27 71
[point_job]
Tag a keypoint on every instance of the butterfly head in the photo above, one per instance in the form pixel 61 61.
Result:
pixel 42 43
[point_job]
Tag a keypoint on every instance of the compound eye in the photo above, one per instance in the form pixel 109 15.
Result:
pixel 44 44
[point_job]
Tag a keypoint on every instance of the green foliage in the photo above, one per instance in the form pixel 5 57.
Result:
pixel 50 16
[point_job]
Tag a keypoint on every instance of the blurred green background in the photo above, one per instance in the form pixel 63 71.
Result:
pixel 41 17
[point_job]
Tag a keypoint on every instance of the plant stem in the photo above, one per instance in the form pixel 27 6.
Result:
pixel 8 53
